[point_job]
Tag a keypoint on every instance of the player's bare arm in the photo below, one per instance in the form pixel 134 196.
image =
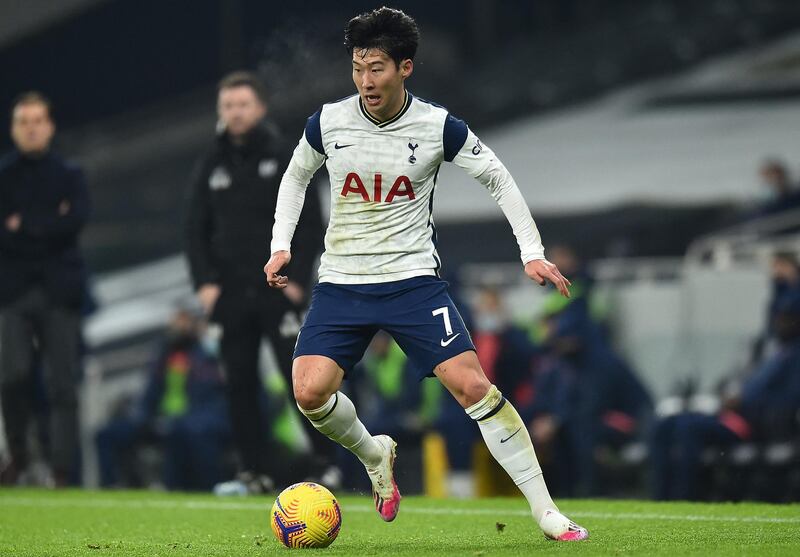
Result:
pixel 276 262
pixel 542 271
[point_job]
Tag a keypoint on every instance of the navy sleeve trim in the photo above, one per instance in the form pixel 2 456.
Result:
pixel 454 137
pixel 314 132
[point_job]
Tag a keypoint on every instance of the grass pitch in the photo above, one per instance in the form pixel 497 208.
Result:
pixel 45 523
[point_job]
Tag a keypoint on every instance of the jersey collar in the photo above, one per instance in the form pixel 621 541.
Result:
pixel 395 118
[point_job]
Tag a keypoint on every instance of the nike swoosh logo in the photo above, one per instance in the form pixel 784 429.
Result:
pixel 337 146
pixel 510 436
pixel 448 341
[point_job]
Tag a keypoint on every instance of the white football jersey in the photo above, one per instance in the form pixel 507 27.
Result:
pixel 382 179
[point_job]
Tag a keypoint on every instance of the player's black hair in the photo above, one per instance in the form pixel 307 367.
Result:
pixel 386 29
pixel 32 97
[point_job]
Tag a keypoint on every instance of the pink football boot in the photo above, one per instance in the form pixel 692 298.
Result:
pixel 384 489
pixel 558 527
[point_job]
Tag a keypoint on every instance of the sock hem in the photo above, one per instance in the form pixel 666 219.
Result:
pixel 482 409
pixel 312 414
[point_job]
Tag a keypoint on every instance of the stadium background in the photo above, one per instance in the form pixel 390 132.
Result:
pixel 635 130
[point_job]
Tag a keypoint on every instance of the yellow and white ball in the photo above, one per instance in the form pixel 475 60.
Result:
pixel 306 515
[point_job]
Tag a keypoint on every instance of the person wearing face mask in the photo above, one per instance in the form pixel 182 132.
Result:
pixel 505 350
pixel 586 398
pixel 785 284
pixel 183 409
pixel 785 274
pixel 777 192
pixel 760 407
pixel 44 205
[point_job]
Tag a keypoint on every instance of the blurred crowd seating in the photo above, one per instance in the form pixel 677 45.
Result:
pixel 685 333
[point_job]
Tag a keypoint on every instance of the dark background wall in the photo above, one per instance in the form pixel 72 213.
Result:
pixel 122 71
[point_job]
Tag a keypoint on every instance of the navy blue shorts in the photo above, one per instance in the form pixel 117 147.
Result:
pixel 417 312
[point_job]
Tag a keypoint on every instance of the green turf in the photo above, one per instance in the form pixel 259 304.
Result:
pixel 36 522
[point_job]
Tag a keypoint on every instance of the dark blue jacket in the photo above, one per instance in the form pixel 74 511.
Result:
pixel 202 387
pixel 771 395
pixel 584 387
pixel 44 251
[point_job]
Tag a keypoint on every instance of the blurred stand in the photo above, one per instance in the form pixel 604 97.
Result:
pixel 710 308
pixel 181 416
pixel 744 443
pixel 123 336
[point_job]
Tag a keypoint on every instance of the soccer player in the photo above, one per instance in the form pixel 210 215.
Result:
pixel 383 148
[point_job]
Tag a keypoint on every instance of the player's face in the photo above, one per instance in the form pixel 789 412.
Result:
pixel 239 110
pixel 380 81
pixel 31 128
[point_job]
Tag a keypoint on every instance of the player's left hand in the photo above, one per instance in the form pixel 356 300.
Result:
pixel 542 271
pixel 276 262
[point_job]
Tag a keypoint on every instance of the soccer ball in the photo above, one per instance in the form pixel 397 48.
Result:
pixel 306 515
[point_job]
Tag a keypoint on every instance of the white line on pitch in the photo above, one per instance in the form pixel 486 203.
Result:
pixel 593 514
pixel 245 506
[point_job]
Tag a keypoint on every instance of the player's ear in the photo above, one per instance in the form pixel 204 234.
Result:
pixel 406 67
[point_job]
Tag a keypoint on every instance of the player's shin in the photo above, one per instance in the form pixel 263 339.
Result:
pixel 508 440
pixel 337 420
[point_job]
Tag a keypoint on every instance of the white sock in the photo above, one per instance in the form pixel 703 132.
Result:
pixel 337 420
pixel 509 442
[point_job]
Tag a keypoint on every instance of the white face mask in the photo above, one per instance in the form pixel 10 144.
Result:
pixel 489 322
pixel 766 193
pixel 210 340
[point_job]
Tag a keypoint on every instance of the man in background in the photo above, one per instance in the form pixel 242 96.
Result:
pixel 229 223
pixel 44 205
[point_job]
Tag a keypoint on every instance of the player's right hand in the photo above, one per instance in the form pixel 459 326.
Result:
pixel 276 262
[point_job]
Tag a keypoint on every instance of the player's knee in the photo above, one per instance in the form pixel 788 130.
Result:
pixel 314 381
pixel 311 399
pixel 311 395
pixel 464 377
pixel 474 390
pixel 469 390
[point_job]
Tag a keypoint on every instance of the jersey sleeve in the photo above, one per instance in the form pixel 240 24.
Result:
pixel 308 156
pixel 480 162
